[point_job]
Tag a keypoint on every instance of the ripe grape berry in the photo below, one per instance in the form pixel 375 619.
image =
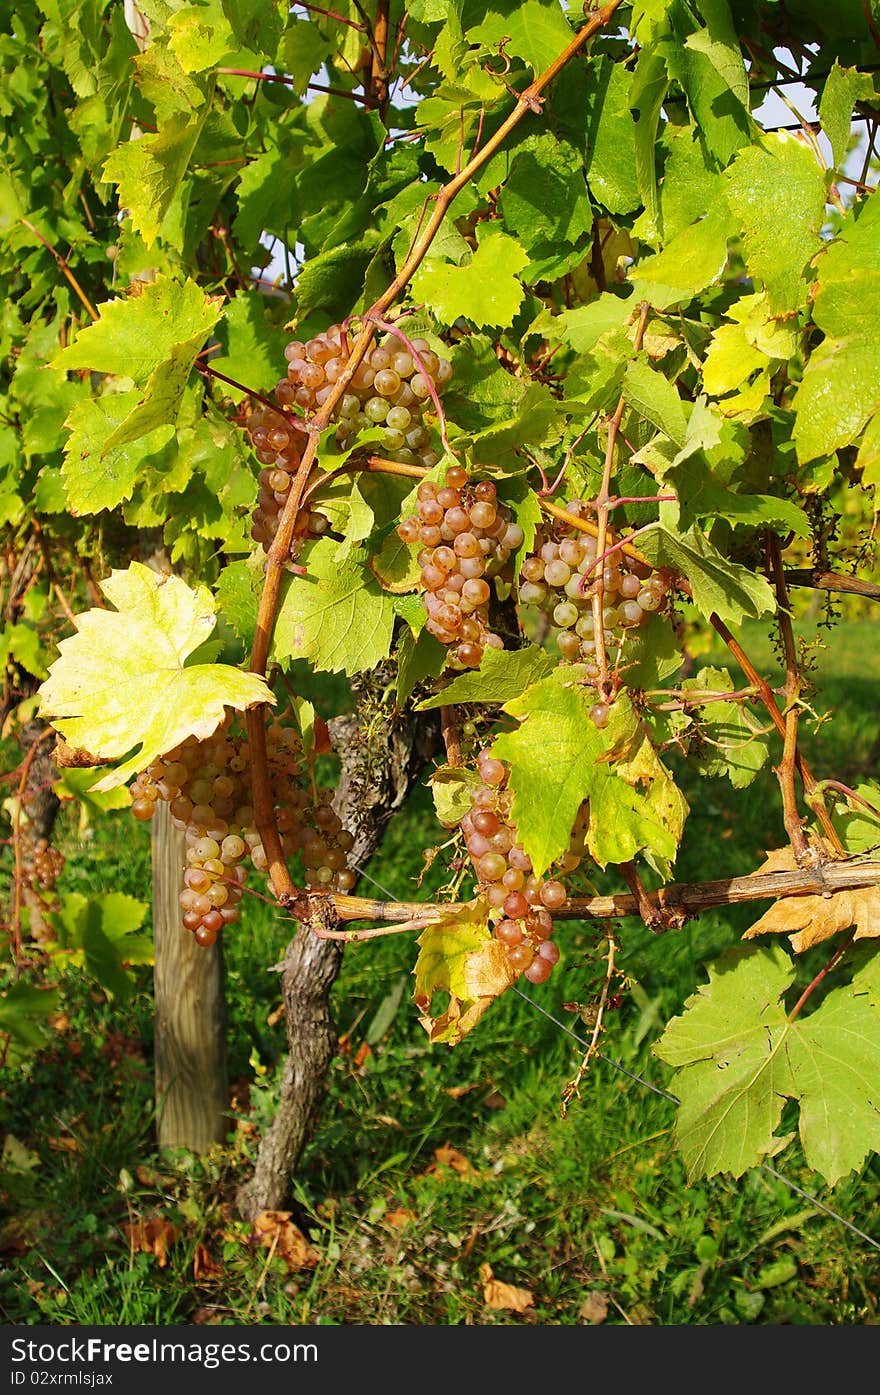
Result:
pixel 466 536
pixel 560 578
pixel 523 903
pixel 207 786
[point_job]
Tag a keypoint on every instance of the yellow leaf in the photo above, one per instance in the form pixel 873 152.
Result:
pixel 459 957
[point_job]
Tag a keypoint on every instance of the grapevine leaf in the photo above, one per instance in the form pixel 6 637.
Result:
pixel 486 291
pixel 503 674
pixel 149 172
pixel 639 808
pixel 24 1009
pixel 135 334
pixel 254 346
pixel 238 596
pixel 729 740
pixel 452 789
pixel 121 681
pixel 859 827
pixel 650 394
pixel 808 920
pixel 844 87
pixel 611 152
pixel 94 476
pixel 583 327
pixel 693 260
pixel 740 1057
pixel 336 616
pixel 733 1074
pixel 776 191
pixel 535 31
pixel 840 390
pixel 718 586
pixel 558 758
pixel 458 957
pixel 419 657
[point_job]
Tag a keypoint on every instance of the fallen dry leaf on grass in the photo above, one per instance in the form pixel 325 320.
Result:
pixel 205 1265
pixel 594 1308
pixel 151 1237
pixel 450 1157
pixel 808 920
pixel 275 1230
pixel 503 1296
pixel 400 1219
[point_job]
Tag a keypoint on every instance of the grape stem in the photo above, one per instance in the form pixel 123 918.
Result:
pixel 572 1089
pixel 765 693
pixel 785 770
pixel 530 101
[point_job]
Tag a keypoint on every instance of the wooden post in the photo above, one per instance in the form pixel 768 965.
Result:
pixel 190 1016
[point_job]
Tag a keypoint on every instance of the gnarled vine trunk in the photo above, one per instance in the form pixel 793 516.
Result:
pixel 381 761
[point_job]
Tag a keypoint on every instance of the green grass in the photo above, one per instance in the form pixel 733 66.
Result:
pixel 591 1213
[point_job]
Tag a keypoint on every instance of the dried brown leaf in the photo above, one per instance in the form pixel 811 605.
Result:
pixel 401 1218
pixel 501 1296
pixel 594 1308
pixel 275 1230
pixel 808 920
pixel 151 1237
pixel 205 1265
pixel 451 1157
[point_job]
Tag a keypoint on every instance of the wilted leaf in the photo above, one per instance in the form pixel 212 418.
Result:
pixel 121 681
pixel 808 920
pixel 204 1264
pixel 451 1157
pixel 459 957
pixel 274 1230
pixel 501 1296
pixel 151 1237
pixel 594 1308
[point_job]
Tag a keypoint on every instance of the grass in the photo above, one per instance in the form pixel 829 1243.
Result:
pixel 430 1164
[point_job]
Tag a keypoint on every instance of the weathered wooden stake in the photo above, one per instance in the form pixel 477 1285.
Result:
pixel 190 1018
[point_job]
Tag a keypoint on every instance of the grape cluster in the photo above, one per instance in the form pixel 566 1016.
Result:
pixel 561 579
pixel 46 863
pixel 523 902
pixel 279 447
pixel 207 786
pixel 466 536
pixel 389 389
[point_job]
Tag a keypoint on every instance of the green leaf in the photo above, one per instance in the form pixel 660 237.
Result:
pixel 693 260
pixel 710 68
pixel 419 656
pixel 135 334
pixel 254 345
pixel 94 476
pixel 718 585
pixel 558 758
pixel 840 389
pixel 337 616
pixel 486 291
pixel 459 959
pixel 149 172
pixel 727 738
pixel 739 1057
pixel 200 36
pixel 121 681
pixel 238 596
pixel 453 788
pixel 610 162
pixel 650 84
pixel 544 201
pixel 503 674
pixel 776 191
pixel 843 88
pixel 582 327
pixel 652 395
pixel 533 30
pixel 23 1012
